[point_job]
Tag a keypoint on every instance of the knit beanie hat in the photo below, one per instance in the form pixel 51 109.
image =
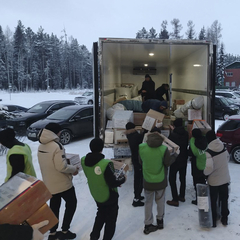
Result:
pixel 211 136
pixel 130 125
pixel 7 135
pixel 54 127
pixel 178 122
pixel 147 76
pixel 96 145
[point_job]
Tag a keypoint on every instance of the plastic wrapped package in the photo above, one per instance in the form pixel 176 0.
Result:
pixel 111 110
pixel 195 103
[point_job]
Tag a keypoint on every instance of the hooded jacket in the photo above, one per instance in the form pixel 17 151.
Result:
pixel 149 87
pixel 217 164
pixel 180 136
pixel 92 160
pixel 56 172
pixel 160 92
pixel 154 167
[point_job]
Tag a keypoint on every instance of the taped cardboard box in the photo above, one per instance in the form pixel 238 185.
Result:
pixel 121 118
pixel 120 136
pixel 20 197
pixel 151 119
pixel 74 160
pixel 202 125
pixel 43 213
pixel 138 118
pixel 194 114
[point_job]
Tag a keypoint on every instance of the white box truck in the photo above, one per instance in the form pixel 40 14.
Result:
pixel 190 64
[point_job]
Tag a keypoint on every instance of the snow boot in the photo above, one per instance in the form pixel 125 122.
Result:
pixel 67 235
pixel 137 203
pixel 160 224
pixel 150 228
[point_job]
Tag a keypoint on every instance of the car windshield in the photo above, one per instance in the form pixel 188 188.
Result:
pixel 87 94
pixel 230 125
pixel 229 100
pixel 39 108
pixel 236 94
pixel 62 114
pixel 224 101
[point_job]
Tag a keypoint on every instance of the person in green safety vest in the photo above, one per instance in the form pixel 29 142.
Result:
pixel 155 159
pixel 197 152
pixel 19 155
pixel 103 185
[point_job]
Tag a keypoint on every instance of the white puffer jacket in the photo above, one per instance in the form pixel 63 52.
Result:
pixel 56 173
pixel 217 166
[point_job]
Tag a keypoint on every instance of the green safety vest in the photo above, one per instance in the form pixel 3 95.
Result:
pixel 96 181
pixel 26 152
pixel 152 162
pixel 199 154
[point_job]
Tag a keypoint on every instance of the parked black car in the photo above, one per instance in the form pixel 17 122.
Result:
pixel 223 109
pixel 14 108
pixel 75 121
pixel 37 112
pixel 232 102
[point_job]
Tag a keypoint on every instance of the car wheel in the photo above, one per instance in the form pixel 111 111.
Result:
pixel 65 136
pixel 225 117
pixel 90 102
pixel 235 153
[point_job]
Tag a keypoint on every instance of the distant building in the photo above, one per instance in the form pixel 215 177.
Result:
pixel 232 75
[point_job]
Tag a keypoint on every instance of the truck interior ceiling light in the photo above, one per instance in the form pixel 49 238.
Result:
pixel 145 65
pixel 197 65
pixel 151 54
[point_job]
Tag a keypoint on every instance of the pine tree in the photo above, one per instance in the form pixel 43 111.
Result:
pixel 221 63
pixel 142 33
pixel 190 31
pixel 164 33
pixel 152 33
pixel 202 34
pixel 177 27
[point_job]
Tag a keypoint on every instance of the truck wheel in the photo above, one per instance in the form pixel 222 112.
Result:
pixel 90 102
pixel 65 136
pixel 235 154
pixel 225 117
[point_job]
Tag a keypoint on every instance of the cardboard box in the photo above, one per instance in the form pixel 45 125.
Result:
pixel 120 136
pixel 121 118
pixel 74 160
pixel 202 125
pixel 120 165
pixel 138 118
pixel 43 213
pixel 194 114
pixel 121 150
pixel 179 101
pixel 20 197
pixel 151 118
pixel 109 136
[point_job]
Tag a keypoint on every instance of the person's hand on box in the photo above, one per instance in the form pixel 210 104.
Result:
pixel 37 235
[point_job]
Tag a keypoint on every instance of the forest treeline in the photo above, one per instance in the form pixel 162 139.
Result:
pixel 37 61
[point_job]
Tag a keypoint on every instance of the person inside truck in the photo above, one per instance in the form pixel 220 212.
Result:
pixel 154 104
pixel 148 88
pixel 161 91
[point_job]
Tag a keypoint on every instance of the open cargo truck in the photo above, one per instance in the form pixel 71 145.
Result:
pixel 189 63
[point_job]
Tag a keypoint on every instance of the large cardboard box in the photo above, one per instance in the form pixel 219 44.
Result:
pixel 202 125
pixel 74 160
pixel 43 213
pixel 121 150
pixel 151 119
pixel 109 136
pixel 20 197
pixel 120 136
pixel 194 114
pixel 138 118
pixel 121 118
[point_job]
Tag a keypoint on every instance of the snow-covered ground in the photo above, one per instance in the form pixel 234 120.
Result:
pixel 180 222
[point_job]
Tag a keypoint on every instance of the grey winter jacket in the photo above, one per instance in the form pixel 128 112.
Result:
pixel 217 164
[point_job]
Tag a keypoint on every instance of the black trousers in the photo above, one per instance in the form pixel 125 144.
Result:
pixel 105 215
pixel 138 180
pixel 70 199
pixel 174 169
pixel 221 193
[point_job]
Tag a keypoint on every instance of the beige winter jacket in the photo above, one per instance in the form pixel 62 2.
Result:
pixel 56 173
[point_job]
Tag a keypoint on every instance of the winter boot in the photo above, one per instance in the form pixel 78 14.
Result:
pixel 160 224
pixel 150 228
pixel 181 199
pixel 137 203
pixel 53 236
pixel 224 221
pixel 67 235
pixel 194 202
pixel 173 203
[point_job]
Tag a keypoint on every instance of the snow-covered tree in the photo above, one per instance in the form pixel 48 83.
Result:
pixel 164 33
pixel 177 27
pixel 202 34
pixel 143 33
pixel 221 64
pixel 152 33
pixel 190 31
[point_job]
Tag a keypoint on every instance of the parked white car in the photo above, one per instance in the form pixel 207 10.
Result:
pixel 86 98
pixel 229 94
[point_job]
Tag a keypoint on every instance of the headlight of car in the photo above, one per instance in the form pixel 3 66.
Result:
pixel 22 124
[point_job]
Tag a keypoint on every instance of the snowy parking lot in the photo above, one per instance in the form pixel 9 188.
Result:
pixel 179 222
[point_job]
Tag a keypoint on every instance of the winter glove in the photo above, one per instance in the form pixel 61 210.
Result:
pixel 36 234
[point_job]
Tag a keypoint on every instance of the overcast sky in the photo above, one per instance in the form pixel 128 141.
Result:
pixel 87 20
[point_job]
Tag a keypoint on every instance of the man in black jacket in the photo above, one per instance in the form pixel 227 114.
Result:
pixel 134 139
pixel 161 91
pixel 179 136
pixel 148 88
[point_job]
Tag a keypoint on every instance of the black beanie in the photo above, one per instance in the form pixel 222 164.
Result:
pixel 130 125
pixel 178 122
pixel 147 75
pixel 54 127
pixel 196 133
pixel 96 145
pixel 7 135
pixel 211 136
